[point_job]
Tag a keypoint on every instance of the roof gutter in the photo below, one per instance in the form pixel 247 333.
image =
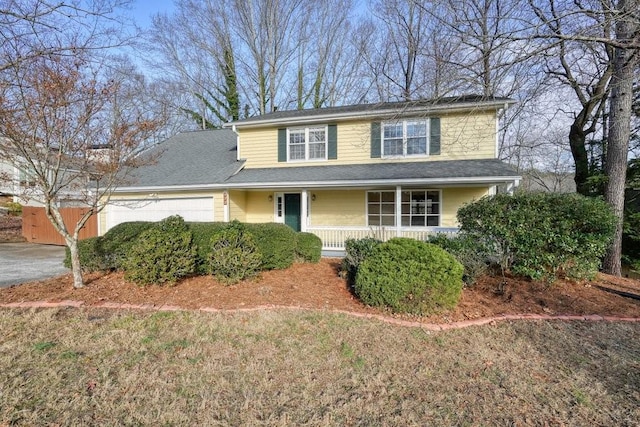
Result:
pixel 325 184
pixel 386 113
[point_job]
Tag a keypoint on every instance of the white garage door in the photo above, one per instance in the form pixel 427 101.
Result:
pixel 196 209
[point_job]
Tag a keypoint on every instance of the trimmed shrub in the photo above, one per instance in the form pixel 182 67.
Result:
pixel 472 252
pixel 542 236
pixel 356 251
pixel 308 247
pixel 409 276
pixel 203 232
pixel 91 255
pixel 276 243
pixel 162 254
pixel 118 241
pixel 234 255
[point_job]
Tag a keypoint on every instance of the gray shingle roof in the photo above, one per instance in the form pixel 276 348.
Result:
pixel 191 158
pixel 428 171
pixel 208 158
pixel 399 107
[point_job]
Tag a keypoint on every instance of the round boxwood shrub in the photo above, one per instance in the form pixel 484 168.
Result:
pixel 92 257
pixel 308 247
pixel 356 250
pixel 202 235
pixel 409 276
pixel 234 255
pixel 276 243
pixel 118 241
pixel 162 254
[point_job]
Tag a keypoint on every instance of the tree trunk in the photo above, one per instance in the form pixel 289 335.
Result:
pixel 580 158
pixel 625 61
pixel 76 268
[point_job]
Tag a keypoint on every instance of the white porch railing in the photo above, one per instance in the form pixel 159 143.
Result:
pixel 333 238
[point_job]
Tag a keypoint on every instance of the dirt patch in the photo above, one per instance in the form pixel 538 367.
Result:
pixel 11 229
pixel 319 286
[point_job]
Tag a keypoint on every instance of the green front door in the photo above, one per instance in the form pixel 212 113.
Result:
pixel 292 210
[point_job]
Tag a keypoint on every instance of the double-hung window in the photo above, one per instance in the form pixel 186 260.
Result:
pixel 405 138
pixel 309 143
pixel 418 208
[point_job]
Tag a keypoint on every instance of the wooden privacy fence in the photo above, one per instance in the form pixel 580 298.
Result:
pixel 37 228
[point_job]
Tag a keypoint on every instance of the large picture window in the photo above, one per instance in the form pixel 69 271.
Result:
pixel 307 143
pixel 405 138
pixel 419 208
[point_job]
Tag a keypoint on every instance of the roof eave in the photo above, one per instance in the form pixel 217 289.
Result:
pixel 386 113
pixel 489 180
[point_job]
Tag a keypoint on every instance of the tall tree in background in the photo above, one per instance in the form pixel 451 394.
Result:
pixel 597 46
pixel 626 51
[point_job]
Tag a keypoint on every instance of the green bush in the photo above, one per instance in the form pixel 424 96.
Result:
pixel 118 241
pixel 356 251
pixel 14 209
pixel 234 255
pixel 162 254
pixel 308 247
pixel 473 253
pixel 409 276
pixel 276 243
pixel 541 235
pixel 202 234
pixel 91 255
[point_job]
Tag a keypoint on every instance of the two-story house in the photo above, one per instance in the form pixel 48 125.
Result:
pixel 384 170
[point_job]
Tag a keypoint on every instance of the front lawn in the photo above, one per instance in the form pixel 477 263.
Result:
pixel 100 367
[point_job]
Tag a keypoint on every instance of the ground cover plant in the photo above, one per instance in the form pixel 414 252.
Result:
pixel 97 367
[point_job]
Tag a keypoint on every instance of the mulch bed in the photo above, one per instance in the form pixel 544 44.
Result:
pixel 319 286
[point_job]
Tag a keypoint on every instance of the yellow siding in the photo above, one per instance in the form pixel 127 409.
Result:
pixel 218 208
pixel 338 208
pixel 464 136
pixel 238 205
pixel 454 198
pixel 259 208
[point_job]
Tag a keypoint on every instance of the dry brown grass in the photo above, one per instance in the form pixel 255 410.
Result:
pixel 97 367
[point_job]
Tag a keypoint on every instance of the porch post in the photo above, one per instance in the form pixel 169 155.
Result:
pixel 398 210
pixel 304 211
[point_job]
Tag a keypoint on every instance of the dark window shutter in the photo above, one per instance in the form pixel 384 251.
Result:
pixel 282 145
pixel 434 136
pixel 332 140
pixel 375 140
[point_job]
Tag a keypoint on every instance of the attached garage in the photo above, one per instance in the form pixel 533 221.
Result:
pixel 194 209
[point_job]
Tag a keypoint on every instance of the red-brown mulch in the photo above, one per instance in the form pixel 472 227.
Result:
pixel 319 286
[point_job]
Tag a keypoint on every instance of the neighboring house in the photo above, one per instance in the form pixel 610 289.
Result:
pixel 384 170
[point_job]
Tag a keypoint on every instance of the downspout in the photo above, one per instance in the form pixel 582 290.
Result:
pixel 233 128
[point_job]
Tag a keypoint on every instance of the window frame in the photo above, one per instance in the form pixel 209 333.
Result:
pixel 307 130
pixel 405 122
pixel 397 222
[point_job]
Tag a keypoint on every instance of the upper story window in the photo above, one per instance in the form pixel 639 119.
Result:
pixel 418 137
pixel 309 143
pixel 405 138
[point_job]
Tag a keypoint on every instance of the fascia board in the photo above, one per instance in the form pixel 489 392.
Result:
pixel 324 184
pixel 382 114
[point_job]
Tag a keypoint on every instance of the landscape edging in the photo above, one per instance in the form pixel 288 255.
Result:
pixel 427 326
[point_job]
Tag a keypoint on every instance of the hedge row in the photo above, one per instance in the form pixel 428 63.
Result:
pixel 130 244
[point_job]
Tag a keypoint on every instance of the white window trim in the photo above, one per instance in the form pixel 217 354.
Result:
pixel 306 144
pixel 404 138
pixel 278 200
pixel 398 208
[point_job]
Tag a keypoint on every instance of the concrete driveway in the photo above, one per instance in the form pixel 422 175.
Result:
pixel 25 262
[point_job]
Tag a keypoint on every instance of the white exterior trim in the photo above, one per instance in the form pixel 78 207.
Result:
pixel 329 184
pixel 380 114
